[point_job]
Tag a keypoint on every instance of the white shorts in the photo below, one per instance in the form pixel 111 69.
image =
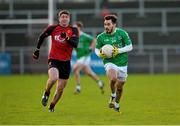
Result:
pixel 85 60
pixel 122 71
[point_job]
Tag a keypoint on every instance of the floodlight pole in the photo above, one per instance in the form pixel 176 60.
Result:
pixel 50 19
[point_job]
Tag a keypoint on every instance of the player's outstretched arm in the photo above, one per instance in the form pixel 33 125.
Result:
pixel 36 53
pixel 37 50
pixel 41 38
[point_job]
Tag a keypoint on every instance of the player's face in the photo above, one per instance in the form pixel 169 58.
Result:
pixel 64 20
pixel 109 26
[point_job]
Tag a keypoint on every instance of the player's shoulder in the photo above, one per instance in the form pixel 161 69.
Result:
pixel 73 28
pixel 52 25
pixel 50 28
pixel 120 30
pixel 86 35
pixel 100 35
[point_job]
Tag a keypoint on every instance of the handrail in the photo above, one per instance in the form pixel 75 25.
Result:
pixel 91 11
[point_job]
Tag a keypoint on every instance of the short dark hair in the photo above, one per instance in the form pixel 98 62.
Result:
pixel 111 17
pixel 79 24
pixel 63 12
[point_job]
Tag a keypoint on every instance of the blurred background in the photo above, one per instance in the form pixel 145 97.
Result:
pixel 153 25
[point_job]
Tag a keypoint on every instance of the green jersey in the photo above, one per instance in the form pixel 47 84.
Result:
pixel 119 39
pixel 85 41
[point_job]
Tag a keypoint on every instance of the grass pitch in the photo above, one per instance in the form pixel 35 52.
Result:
pixel 147 100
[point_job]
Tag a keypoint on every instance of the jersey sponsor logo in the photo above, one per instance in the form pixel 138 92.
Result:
pixel 106 40
pixel 113 39
pixel 59 39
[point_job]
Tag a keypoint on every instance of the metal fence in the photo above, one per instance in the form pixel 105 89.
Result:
pixel 156 59
pixel 143 59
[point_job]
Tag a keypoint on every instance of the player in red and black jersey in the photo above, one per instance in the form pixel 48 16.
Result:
pixel 64 39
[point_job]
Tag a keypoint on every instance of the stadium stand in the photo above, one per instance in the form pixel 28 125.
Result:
pixel 154 29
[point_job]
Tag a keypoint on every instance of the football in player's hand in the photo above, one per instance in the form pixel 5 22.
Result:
pixel 107 50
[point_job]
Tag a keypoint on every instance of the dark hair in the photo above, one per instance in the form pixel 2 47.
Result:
pixel 111 17
pixel 79 24
pixel 63 12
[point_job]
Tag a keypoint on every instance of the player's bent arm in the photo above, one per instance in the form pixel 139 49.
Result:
pixel 45 34
pixel 41 40
pixel 93 44
pixel 127 48
pixel 74 40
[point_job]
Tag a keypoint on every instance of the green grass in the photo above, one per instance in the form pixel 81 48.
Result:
pixel 147 100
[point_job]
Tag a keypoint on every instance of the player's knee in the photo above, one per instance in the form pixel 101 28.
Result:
pixel 74 69
pixel 53 79
pixel 120 89
pixel 88 73
pixel 76 72
pixel 113 79
pixel 60 90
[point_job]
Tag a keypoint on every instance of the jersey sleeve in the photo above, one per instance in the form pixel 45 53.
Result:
pixel 99 42
pixel 126 38
pixel 45 34
pixel 89 38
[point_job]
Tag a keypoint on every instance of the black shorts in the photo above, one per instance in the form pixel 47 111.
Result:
pixel 64 67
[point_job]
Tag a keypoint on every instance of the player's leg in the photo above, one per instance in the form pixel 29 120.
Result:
pixel 122 75
pixel 87 70
pixel 59 91
pixel 64 68
pixel 119 91
pixel 53 76
pixel 112 76
pixel 76 69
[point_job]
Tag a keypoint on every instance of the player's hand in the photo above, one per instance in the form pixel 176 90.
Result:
pixel 102 55
pixel 63 35
pixel 115 51
pixel 36 54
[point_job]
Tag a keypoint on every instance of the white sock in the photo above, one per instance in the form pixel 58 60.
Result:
pixel 78 87
pixel 113 94
pixel 116 105
pixel 100 83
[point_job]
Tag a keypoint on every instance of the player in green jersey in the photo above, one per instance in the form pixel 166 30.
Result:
pixel 85 47
pixel 116 66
